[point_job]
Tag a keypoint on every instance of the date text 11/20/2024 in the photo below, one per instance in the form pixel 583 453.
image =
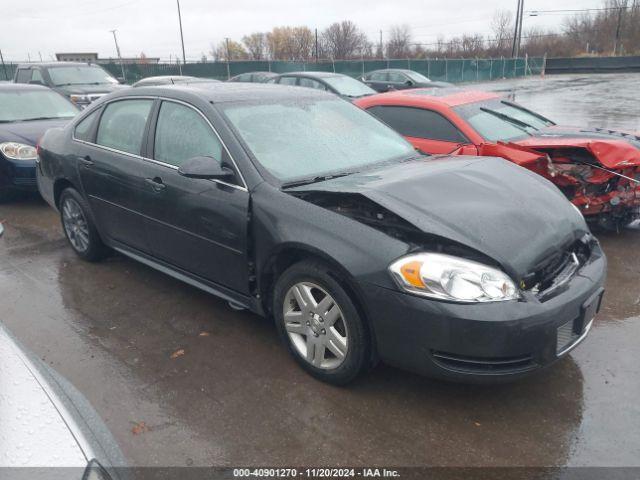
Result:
pixel 315 473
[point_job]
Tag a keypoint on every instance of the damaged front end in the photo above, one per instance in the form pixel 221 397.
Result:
pixel 601 178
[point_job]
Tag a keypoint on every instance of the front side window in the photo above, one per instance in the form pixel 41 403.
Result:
pixel 122 125
pixel 182 133
pixel 349 87
pixel 419 123
pixel 417 77
pixel 396 77
pixel 35 104
pixel 311 83
pixel 307 137
pixel 80 75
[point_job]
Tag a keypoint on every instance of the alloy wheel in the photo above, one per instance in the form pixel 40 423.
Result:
pixel 315 325
pixel 75 224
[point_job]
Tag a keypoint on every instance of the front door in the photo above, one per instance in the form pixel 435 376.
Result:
pixel 112 170
pixel 199 226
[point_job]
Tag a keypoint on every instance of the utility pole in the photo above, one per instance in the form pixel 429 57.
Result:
pixel 316 45
pixel 520 27
pixel 115 39
pixel 518 23
pixel 617 39
pixel 226 40
pixel 184 56
pixel 381 47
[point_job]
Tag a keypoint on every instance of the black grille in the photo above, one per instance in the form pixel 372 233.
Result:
pixel 483 365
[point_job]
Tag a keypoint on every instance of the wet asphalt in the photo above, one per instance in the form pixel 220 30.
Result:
pixel 234 397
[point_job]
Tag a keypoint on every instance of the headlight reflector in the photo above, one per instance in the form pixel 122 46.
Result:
pixel 455 279
pixel 18 151
pixel 80 99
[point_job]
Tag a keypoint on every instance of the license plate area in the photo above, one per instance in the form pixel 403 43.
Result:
pixel 573 331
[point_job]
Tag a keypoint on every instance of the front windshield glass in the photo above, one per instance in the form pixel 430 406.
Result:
pixel 16 106
pixel 417 77
pixel 307 137
pixel 349 87
pixel 80 75
pixel 485 118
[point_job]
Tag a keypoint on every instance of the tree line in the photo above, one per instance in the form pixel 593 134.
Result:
pixel 611 29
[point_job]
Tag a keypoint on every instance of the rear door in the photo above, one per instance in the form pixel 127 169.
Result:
pixel 197 225
pixel 398 81
pixel 112 170
pixel 427 130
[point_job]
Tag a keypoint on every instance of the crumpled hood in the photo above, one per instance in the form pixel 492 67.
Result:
pixel 488 204
pixel 28 132
pixel 614 149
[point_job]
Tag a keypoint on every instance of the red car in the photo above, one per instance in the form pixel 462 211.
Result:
pixel 597 169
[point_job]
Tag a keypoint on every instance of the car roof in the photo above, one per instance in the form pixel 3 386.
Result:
pixel 223 92
pixel 4 87
pixel 312 74
pixel 450 97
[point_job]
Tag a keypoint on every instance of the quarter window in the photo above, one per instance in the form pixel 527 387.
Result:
pixel 122 125
pixel 36 76
pixel 419 123
pixel 182 133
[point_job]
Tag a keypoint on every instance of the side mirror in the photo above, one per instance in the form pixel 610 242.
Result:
pixel 121 80
pixel 409 83
pixel 205 168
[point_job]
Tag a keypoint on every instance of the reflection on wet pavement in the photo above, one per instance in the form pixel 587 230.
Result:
pixel 236 398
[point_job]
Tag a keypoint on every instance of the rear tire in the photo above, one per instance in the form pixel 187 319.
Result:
pixel 320 324
pixel 79 227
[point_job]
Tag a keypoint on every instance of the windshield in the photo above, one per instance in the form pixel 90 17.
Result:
pixel 498 120
pixel 80 75
pixel 307 137
pixel 349 87
pixel 16 106
pixel 417 77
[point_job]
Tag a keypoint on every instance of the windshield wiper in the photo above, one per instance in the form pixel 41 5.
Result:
pixel 40 118
pixel 514 121
pixel 530 112
pixel 317 179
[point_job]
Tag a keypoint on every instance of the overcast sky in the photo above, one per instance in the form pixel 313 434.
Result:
pixel 44 27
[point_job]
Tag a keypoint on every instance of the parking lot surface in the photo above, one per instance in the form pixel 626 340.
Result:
pixel 181 379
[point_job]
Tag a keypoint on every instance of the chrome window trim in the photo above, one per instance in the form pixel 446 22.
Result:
pixel 242 187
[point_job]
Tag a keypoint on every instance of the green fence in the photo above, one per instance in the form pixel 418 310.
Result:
pixel 446 70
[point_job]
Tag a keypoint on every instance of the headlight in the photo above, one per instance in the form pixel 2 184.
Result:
pixel 451 278
pixel 80 99
pixel 18 151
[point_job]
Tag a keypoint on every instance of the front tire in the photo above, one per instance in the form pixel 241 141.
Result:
pixel 79 228
pixel 320 324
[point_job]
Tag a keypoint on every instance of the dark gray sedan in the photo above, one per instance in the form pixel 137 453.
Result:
pixel 399 79
pixel 300 206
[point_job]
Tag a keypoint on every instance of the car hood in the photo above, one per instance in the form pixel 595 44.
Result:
pixel 28 132
pixel 492 206
pixel 613 149
pixel 89 89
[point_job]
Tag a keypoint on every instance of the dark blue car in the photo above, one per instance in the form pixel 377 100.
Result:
pixel 26 112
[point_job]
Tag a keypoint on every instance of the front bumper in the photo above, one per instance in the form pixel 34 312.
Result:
pixel 488 341
pixel 18 175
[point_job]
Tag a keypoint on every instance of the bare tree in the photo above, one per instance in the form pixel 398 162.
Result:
pixel 343 40
pixel 399 44
pixel 256 45
pixel 502 29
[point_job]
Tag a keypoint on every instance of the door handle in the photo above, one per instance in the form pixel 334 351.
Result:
pixel 156 184
pixel 86 161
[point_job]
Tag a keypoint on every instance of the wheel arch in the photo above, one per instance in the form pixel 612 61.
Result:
pixel 59 186
pixel 286 255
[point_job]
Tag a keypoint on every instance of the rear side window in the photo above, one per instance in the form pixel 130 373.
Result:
pixel 288 80
pixel 182 133
pixel 122 125
pixel 23 75
pixel 84 129
pixel 419 123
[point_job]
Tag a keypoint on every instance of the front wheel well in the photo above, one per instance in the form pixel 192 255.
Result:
pixel 285 258
pixel 58 187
